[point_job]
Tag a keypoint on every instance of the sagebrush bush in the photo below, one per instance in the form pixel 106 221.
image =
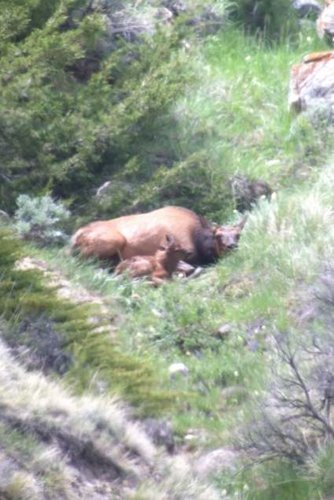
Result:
pixel 41 219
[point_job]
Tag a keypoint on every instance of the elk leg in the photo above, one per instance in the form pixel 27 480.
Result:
pixel 184 268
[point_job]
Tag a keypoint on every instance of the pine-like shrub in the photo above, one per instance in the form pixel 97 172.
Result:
pixel 41 219
pixel 89 97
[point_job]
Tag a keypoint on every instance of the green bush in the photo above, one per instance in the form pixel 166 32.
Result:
pixel 41 219
pixel 65 136
pixel 81 105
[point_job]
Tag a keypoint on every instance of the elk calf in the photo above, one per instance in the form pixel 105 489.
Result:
pixel 159 266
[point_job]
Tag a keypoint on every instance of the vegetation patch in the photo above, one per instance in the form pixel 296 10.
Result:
pixel 115 108
pixel 54 335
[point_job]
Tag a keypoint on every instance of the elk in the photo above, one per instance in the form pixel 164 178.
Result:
pixel 159 266
pixel 141 234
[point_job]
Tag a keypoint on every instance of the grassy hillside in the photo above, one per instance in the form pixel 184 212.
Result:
pixel 230 118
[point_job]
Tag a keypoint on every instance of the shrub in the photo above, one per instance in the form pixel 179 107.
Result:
pixel 41 219
pixel 295 416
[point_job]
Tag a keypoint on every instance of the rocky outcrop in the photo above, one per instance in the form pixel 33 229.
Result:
pixel 307 8
pixel 325 22
pixel 312 84
pixel 247 192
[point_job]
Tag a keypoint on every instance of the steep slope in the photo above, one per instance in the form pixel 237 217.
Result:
pixel 167 120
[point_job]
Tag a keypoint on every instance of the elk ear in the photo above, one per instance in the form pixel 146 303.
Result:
pixel 169 239
pixel 167 242
pixel 218 231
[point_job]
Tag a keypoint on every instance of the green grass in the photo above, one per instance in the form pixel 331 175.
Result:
pixel 36 319
pixel 256 289
pixel 238 115
pixel 277 481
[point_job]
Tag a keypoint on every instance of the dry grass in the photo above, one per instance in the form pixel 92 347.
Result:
pixel 90 433
pixel 56 445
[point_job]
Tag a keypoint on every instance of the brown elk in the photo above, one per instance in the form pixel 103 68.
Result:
pixel 141 234
pixel 159 266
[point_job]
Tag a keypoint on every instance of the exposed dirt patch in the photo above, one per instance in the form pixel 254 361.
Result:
pixel 69 292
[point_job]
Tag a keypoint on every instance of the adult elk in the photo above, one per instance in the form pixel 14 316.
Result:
pixel 141 234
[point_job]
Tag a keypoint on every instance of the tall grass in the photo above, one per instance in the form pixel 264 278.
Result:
pixel 239 112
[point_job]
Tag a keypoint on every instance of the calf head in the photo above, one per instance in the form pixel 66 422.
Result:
pixel 227 237
pixel 169 254
pixel 170 246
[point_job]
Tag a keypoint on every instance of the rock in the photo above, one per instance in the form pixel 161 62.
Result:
pixel 178 369
pixel 307 8
pixel 325 23
pixel 160 432
pixel 223 331
pixel 247 192
pixel 207 22
pixel 164 15
pixel 216 461
pixel 177 7
pixel 4 217
pixel 312 84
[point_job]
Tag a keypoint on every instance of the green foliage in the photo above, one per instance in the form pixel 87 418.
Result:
pixel 189 184
pixel 166 120
pixel 61 135
pixel 81 105
pixel 19 17
pixel 321 470
pixel 60 335
pixel 276 480
pixel 41 219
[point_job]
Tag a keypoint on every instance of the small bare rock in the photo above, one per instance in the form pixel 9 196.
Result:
pixel 161 433
pixel 305 8
pixel 216 461
pixel 178 369
pixel 4 217
pixel 223 331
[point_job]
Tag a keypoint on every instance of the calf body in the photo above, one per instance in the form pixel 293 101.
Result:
pixel 141 234
pixel 159 266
